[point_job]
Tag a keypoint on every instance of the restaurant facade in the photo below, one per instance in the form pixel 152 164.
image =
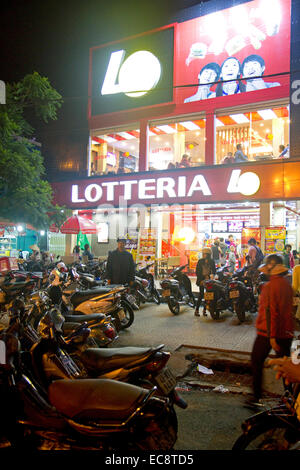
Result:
pixel 193 134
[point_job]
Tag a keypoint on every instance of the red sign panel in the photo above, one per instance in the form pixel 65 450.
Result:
pixel 229 46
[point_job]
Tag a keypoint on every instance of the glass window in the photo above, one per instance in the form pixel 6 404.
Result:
pixel 114 152
pixel 252 136
pixel 176 144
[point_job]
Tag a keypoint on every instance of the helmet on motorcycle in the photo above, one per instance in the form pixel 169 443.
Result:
pixel 62 267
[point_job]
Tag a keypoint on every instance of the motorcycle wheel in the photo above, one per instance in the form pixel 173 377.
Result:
pixel 156 297
pixel 269 436
pixel 162 433
pixel 127 321
pixel 214 313
pixel 240 311
pixel 174 306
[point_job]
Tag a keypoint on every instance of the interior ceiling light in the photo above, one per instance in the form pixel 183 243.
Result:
pixel 190 125
pixel 167 129
pixel 108 139
pixel 126 135
pixel 267 114
pixel 239 118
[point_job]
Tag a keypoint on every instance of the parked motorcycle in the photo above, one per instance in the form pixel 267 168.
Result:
pixel 177 290
pixel 275 428
pixel 144 288
pixel 46 409
pixel 216 297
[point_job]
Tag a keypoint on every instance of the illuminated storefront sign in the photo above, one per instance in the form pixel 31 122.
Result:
pixel 256 182
pixel 132 73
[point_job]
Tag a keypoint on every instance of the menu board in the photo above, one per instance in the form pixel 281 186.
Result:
pixel 235 226
pixel 218 227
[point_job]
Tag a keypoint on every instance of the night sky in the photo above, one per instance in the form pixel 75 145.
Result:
pixel 54 37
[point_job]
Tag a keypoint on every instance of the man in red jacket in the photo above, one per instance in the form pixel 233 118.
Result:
pixel 274 324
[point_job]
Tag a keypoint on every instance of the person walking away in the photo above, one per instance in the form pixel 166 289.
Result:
pixel 274 323
pixel 296 290
pixel 288 257
pixel 223 248
pixel 205 269
pixel 216 253
pixel 87 252
pixel 231 259
pixel 120 268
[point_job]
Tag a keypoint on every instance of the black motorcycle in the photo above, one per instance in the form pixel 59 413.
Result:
pixel 241 293
pixel 48 408
pixel 177 290
pixel 144 286
pixel 276 427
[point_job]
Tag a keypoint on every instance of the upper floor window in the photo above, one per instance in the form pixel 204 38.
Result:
pixel 252 136
pixel 114 152
pixel 176 144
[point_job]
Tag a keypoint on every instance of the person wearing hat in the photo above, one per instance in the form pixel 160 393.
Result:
pixel 120 267
pixel 205 269
pixel 274 323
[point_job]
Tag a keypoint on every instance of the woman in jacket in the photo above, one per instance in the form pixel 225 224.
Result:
pixel 205 269
pixel 274 323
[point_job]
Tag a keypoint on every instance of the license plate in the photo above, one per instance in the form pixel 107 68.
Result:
pixel 166 381
pixel 166 293
pixel 131 299
pixel 208 295
pixel 234 294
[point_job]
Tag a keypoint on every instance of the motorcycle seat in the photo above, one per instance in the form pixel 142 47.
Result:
pixel 102 399
pixel 103 360
pixel 83 295
pixel 16 286
pixel 82 318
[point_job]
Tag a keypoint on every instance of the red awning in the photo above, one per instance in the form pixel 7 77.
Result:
pixel 76 224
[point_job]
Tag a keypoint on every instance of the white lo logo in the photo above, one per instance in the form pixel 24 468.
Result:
pixel 247 184
pixel 137 75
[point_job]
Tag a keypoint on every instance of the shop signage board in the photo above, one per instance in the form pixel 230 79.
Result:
pixel 147 246
pixel 275 239
pixel 217 52
pixel 280 180
pixel 135 72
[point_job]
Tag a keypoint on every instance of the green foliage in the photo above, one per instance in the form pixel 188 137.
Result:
pixel 25 195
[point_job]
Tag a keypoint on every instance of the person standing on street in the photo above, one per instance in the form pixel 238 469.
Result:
pixel 216 253
pixel 223 248
pixel 205 269
pixel 120 267
pixel 274 323
pixel 288 257
pixel 232 259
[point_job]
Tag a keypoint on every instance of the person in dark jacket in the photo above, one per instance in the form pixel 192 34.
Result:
pixel 87 252
pixel 205 269
pixel 274 323
pixel 120 267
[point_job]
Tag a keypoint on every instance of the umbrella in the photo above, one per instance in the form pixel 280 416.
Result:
pixel 76 224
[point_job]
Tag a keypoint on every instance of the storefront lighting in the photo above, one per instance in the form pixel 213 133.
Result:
pixel 20 228
pixel 42 233
pixel 186 235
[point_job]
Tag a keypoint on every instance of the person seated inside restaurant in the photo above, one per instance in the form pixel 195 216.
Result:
pixel 239 155
pixel 228 159
pixel 185 161
pixel 284 151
